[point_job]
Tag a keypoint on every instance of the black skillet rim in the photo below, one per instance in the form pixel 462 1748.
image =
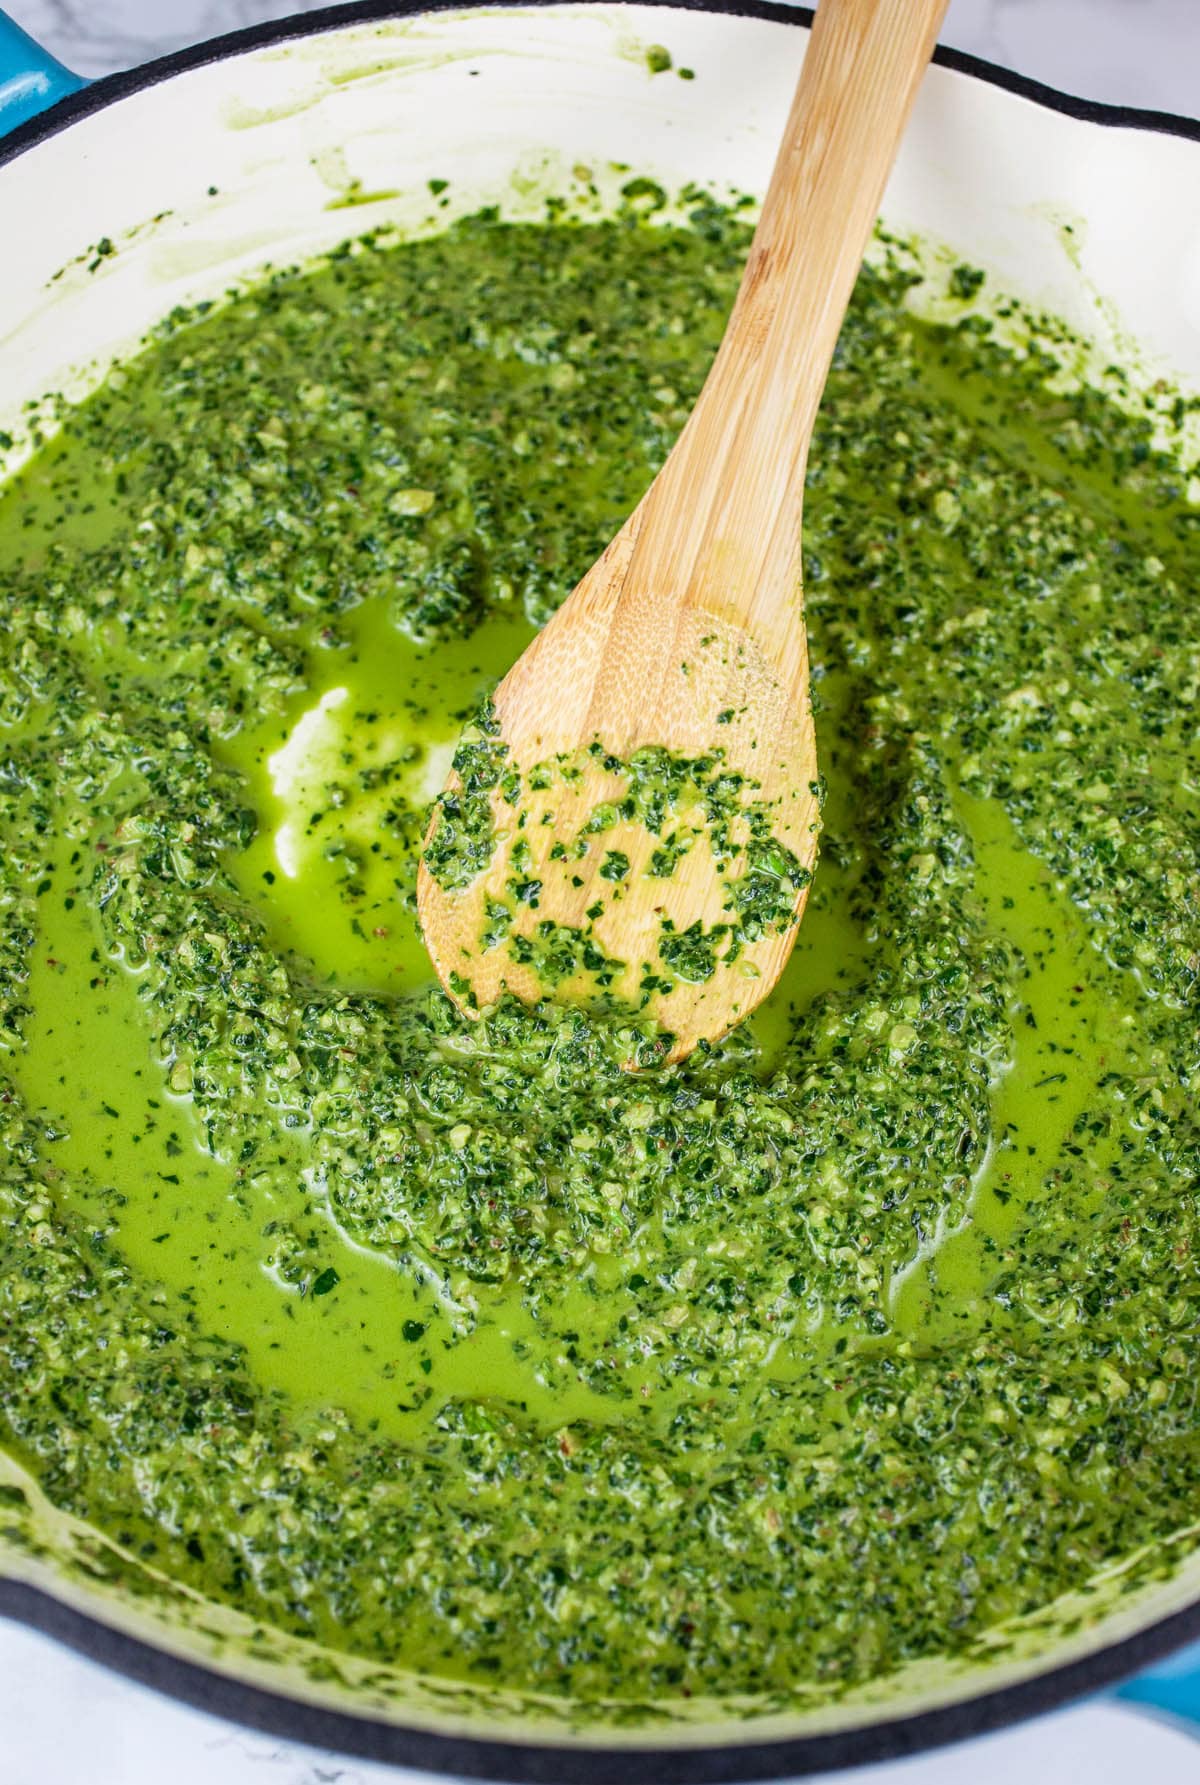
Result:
pixel 550 1763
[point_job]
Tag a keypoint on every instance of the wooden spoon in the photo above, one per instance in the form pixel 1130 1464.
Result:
pixel 638 822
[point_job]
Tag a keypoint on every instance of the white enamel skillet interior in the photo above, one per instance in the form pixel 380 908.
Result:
pixel 270 146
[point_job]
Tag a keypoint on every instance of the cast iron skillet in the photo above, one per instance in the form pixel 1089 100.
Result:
pixel 39 98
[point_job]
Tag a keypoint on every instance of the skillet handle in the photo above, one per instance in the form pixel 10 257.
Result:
pixel 1169 1689
pixel 30 78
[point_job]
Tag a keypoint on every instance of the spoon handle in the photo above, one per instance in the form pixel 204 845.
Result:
pixel 736 476
pixel 860 77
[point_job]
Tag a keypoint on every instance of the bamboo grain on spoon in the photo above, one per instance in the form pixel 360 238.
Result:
pixel 685 642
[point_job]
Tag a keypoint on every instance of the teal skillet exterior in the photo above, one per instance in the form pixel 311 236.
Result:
pixel 31 79
pixel 31 82
pixel 1170 1690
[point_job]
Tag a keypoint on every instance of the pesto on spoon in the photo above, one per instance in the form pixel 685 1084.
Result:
pixel 635 818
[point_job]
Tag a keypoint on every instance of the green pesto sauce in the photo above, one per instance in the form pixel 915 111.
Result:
pixel 659 802
pixel 453 1343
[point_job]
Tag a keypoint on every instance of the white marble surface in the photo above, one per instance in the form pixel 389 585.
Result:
pixel 68 1722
